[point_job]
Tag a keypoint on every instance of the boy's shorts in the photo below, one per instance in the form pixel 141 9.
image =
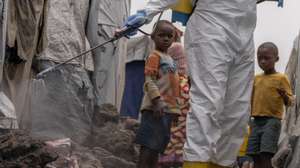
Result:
pixel 154 133
pixel 264 136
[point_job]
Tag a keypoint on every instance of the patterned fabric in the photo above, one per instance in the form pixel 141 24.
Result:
pixel 173 153
pixel 161 80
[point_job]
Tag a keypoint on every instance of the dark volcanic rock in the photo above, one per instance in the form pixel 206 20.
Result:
pixel 19 150
pixel 104 114
pixel 109 135
pixel 108 146
pixel 108 160
pixel 119 142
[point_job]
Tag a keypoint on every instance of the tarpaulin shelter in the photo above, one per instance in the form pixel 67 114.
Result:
pixel 105 16
pixel 26 26
pixel 43 33
pixel 3 24
pixel 288 155
pixel 65 99
pixel 8 117
pixel 62 102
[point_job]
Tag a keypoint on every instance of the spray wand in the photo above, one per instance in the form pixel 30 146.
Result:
pixel 119 34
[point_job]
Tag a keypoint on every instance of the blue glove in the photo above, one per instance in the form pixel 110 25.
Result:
pixel 280 3
pixel 137 20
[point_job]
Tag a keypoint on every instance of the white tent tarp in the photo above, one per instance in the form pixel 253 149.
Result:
pixel 105 17
pixel 288 155
pixel 3 20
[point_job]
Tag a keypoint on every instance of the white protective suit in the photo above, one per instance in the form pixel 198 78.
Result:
pixel 220 49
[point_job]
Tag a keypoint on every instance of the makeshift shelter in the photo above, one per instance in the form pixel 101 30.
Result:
pixel 43 33
pixel 26 24
pixel 60 106
pixel 8 117
pixel 288 155
pixel 62 102
pixel 3 21
pixel 137 51
pixel 109 61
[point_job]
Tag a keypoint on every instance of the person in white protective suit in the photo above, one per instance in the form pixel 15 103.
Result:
pixel 220 49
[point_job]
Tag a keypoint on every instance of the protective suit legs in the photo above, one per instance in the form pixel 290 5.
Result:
pixel 221 86
pixel 235 115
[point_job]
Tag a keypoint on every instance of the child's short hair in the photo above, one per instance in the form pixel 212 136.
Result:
pixel 269 45
pixel 159 23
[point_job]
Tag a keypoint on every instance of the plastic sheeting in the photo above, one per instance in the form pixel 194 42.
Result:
pixel 66 32
pixel 291 122
pixel 139 48
pixel 8 117
pixel 26 37
pixel 3 19
pixel 62 102
pixel 25 27
pixel 105 17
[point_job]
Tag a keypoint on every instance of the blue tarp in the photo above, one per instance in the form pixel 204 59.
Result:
pixel 133 92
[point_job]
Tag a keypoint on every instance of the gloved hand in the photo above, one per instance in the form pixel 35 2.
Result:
pixel 280 3
pixel 137 20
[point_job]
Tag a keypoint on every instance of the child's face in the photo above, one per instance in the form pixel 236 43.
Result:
pixel 267 58
pixel 163 37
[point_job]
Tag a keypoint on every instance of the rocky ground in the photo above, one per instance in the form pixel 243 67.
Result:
pixel 19 150
pixel 109 146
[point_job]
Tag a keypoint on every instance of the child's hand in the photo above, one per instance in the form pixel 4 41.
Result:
pixel 281 92
pixel 284 95
pixel 159 107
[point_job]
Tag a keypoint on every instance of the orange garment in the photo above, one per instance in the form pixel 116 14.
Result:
pixel 161 80
pixel 266 101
